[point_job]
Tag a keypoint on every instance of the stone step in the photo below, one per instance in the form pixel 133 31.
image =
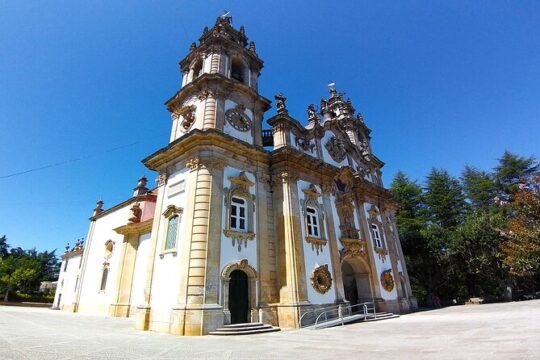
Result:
pixel 241 325
pixel 245 329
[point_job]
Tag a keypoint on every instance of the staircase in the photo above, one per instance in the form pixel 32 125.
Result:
pixel 245 329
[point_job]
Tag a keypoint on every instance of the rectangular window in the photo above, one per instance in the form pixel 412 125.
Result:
pixel 76 283
pixel 104 276
pixel 238 219
pixel 376 236
pixel 65 264
pixel 172 229
pixel 312 222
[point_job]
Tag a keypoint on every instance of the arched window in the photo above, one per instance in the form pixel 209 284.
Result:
pixel 238 219
pixel 172 230
pixel 237 70
pixel 312 222
pixel 104 276
pixel 377 242
pixel 197 69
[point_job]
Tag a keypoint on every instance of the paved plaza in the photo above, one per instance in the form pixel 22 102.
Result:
pixel 493 331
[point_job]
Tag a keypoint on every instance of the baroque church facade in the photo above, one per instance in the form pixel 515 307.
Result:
pixel 245 224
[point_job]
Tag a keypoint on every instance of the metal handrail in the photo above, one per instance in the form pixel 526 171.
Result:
pixel 366 306
pixel 314 311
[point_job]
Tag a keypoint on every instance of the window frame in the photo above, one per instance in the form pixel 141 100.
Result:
pixel 169 214
pixel 311 202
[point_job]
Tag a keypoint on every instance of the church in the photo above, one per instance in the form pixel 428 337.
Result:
pixel 245 224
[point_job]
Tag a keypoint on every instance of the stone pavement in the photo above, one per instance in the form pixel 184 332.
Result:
pixel 493 331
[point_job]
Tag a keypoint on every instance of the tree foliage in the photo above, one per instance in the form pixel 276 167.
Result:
pixel 472 236
pixel 24 270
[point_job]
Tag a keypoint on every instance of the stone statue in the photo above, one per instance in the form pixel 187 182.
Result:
pixel 280 103
pixel 312 115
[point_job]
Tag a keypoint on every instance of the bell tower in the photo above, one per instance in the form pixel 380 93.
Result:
pixel 220 86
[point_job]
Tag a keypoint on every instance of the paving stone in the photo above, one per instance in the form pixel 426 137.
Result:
pixel 489 331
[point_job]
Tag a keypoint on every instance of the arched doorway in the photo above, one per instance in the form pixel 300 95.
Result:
pixel 356 284
pixel 238 297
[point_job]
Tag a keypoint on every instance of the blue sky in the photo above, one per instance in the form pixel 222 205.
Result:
pixel 441 84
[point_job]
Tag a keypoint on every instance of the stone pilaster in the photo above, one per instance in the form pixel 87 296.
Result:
pixel 198 311
pixel 128 254
pixel 210 110
pixel 332 244
pixel 142 320
pixel 293 290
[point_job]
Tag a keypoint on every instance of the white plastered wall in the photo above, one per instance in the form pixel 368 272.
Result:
pixel 139 272
pixel 166 276
pixel 67 280
pixel 92 298
pixel 229 252
pixel 311 258
pixel 380 265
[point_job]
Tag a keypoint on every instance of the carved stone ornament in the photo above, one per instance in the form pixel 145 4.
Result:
pixel 136 213
pixel 353 248
pixel 280 103
pixel 172 210
pixel 239 238
pixel 238 118
pixel 387 280
pixel 162 179
pixel 321 279
pixel 187 114
pixel 336 148
pixel 304 144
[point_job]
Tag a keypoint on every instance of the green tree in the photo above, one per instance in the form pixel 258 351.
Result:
pixel 513 170
pixel 18 273
pixel 444 198
pixel 480 188
pixel 4 247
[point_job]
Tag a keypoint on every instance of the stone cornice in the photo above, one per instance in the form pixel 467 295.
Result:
pixel 212 138
pixel 136 228
pixel 215 82
pixel 72 253
pixel 147 197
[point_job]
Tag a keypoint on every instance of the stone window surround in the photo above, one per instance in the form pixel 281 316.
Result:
pixel 311 200
pixel 240 186
pixel 168 214
pixel 373 219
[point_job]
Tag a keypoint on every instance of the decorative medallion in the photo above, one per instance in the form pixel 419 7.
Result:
pixel 187 114
pixel 238 119
pixel 321 279
pixel 336 149
pixel 304 144
pixel 387 281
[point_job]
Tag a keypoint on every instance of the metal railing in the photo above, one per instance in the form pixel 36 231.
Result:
pixel 341 311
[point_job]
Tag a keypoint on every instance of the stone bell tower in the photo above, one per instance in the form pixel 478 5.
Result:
pixel 215 137
pixel 220 86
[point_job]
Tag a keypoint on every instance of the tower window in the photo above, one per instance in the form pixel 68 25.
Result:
pixel 237 70
pixel 197 69
pixel 238 214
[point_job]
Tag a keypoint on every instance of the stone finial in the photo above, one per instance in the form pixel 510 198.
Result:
pixel 242 30
pixel 67 248
pixel 99 207
pixel 359 117
pixel 141 188
pixel 332 87
pixel 280 103
pixel 193 46
pixel 252 46
pixel 136 213
pixel 225 17
pixel 205 30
